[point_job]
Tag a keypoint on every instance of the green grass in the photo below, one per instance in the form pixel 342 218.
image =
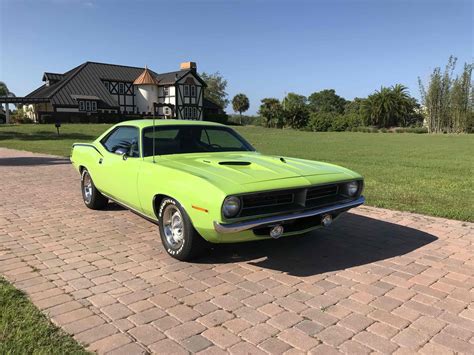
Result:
pixel 428 174
pixel 25 330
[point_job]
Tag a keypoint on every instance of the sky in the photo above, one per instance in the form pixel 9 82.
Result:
pixel 263 48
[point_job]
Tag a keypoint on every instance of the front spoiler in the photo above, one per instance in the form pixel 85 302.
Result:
pixel 246 225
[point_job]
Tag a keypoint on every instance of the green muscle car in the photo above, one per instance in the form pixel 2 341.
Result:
pixel 201 181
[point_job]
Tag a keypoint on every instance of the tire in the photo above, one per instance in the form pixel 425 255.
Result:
pixel 179 238
pixel 91 196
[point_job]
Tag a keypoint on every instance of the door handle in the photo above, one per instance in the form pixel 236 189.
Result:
pixel 100 161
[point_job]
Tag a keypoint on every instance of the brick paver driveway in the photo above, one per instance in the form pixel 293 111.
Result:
pixel 377 280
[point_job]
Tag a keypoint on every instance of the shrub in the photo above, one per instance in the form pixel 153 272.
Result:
pixel 321 121
pixel 246 120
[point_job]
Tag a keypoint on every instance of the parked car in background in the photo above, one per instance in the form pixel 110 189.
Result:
pixel 202 181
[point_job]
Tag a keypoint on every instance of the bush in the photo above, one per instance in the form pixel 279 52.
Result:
pixel 246 120
pixel 330 121
pixel 321 121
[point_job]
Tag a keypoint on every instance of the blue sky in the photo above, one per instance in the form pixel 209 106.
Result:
pixel 263 48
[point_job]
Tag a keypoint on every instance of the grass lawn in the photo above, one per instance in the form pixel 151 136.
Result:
pixel 25 330
pixel 428 174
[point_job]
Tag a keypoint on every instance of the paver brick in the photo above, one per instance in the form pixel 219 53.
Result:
pixel 274 346
pixel 410 338
pixel 334 335
pixel 221 337
pixel 116 311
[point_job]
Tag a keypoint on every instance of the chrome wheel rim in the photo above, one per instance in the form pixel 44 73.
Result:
pixel 87 187
pixel 173 226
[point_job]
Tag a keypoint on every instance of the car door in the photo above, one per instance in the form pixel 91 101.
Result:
pixel 119 167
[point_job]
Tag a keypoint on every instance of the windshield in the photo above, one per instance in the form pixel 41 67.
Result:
pixel 181 139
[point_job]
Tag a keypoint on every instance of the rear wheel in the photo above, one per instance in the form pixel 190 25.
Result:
pixel 91 196
pixel 177 233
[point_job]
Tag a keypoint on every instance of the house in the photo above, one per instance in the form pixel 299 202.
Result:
pixel 94 88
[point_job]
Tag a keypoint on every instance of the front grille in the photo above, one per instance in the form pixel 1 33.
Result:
pixel 267 199
pixel 321 192
pixel 291 200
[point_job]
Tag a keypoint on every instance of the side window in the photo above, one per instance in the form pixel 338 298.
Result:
pixel 220 138
pixel 123 139
pixel 165 141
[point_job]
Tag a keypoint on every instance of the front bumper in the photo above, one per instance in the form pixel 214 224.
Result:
pixel 246 225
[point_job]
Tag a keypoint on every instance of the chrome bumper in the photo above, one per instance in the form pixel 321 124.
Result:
pixel 246 225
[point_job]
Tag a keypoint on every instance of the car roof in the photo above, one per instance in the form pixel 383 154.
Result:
pixel 148 122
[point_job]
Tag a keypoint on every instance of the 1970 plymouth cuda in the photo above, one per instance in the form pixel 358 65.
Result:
pixel 202 181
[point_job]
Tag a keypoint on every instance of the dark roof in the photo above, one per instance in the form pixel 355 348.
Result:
pixel 86 79
pixel 52 76
pixel 206 103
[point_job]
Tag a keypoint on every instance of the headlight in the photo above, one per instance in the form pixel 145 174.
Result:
pixel 352 188
pixel 231 206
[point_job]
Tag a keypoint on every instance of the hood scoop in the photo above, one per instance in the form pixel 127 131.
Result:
pixel 235 162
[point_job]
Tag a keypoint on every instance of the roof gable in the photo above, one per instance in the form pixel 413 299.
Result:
pixel 87 80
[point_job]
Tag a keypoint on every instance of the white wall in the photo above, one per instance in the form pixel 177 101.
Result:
pixel 146 95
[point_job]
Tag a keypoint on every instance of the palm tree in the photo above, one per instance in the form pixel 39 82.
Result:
pixel 240 103
pixel 389 106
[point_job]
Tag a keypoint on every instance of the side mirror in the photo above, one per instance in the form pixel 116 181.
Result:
pixel 121 151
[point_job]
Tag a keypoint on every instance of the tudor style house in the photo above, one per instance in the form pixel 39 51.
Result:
pixel 108 88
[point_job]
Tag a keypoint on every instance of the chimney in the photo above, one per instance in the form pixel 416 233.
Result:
pixel 188 66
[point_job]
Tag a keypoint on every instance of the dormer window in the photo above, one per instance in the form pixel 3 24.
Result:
pixel 186 90
pixel 193 90
pixel 87 106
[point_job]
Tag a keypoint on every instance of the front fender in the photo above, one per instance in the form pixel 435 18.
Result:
pixel 200 198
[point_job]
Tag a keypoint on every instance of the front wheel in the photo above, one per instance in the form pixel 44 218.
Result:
pixel 91 196
pixel 180 239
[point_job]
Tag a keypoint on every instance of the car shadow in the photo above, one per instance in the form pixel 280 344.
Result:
pixel 33 161
pixel 351 241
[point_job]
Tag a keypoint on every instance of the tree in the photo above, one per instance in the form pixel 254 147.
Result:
pixel 389 106
pixel 5 92
pixel 272 112
pixel 295 110
pixel 448 100
pixel 240 103
pixel 326 101
pixel 215 90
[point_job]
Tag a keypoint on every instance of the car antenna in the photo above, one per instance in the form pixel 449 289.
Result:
pixel 154 152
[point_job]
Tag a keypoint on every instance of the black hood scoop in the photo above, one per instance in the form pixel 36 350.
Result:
pixel 235 162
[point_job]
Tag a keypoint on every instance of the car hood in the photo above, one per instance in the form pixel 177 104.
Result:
pixel 247 167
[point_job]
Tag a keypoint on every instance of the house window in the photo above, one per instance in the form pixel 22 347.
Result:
pixel 195 112
pixel 107 85
pixel 166 91
pixel 186 90
pixel 94 106
pixel 193 90
pixel 88 105
pixel 81 106
pixel 121 88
